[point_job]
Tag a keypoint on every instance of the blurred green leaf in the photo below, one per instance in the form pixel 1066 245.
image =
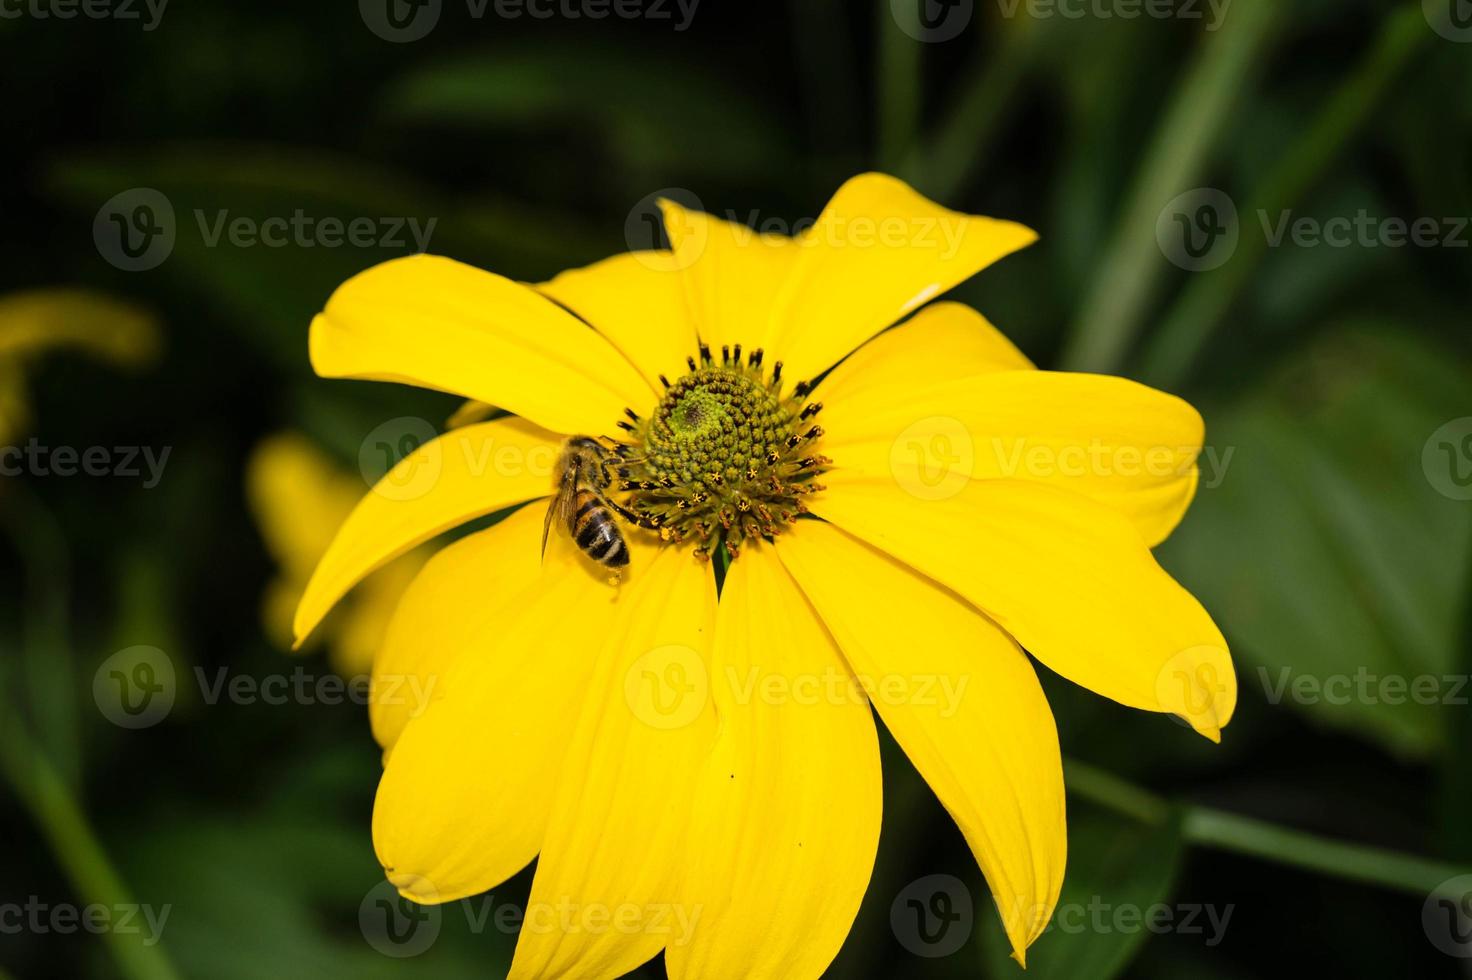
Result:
pixel 48 683
pixel 1119 871
pixel 1130 270
pixel 266 896
pixel 270 290
pixel 703 124
pixel 1326 553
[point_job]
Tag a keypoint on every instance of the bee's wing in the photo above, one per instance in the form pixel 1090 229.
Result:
pixel 560 506
pixel 556 510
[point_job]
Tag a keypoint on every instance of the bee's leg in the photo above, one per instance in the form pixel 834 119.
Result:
pixel 638 520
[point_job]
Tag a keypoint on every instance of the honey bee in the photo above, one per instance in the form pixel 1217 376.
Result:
pixel 584 474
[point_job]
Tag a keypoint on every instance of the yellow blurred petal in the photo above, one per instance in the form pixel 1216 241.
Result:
pixel 963 702
pixel 637 301
pixel 364 622
pixel 299 497
pixel 606 896
pixel 787 815
pixel 38 319
pixel 464 474
pixel 1119 442
pixel 430 321
pixel 877 252
pixel 278 607
pixel 1069 578
pixel 943 342
pixel 731 274
pixel 483 673
pixel 15 410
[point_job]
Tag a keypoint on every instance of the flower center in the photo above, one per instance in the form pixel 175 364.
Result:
pixel 724 457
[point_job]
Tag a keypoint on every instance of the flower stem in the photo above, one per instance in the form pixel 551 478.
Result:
pixel 1126 278
pixel 1208 297
pixel 75 847
pixel 1209 827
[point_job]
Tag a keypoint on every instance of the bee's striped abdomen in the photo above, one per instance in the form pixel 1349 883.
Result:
pixel 596 532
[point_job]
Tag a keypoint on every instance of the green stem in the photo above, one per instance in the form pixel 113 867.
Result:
pixel 898 74
pixel 1210 827
pixel 1208 297
pixel 1109 790
pixel 46 660
pixel 961 140
pixel 75 847
pixel 1127 277
pixel 1355 862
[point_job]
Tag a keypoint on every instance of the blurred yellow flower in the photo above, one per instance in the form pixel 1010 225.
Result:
pixel 299 498
pixel 699 774
pixel 34 321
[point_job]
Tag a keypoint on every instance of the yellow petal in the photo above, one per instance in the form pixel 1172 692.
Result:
pixel 455 603
pixel 943 342
pixel 1121 443
pixel 430 321
pixel 1069 578
pixel 606 896
pixel 787 814
pixel 963 702
pixel 731 275
pixel 877 252
pixel 482 674
pixel 465 473
pixel 637 301
pixel 38 319
pixel 470 412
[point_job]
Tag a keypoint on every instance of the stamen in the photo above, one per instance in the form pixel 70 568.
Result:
pixel 722 458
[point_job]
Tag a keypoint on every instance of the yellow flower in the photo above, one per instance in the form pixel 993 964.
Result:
pixel 299 497
pixel 700 775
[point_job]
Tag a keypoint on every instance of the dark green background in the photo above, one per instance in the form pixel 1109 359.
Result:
pixel 1325 550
